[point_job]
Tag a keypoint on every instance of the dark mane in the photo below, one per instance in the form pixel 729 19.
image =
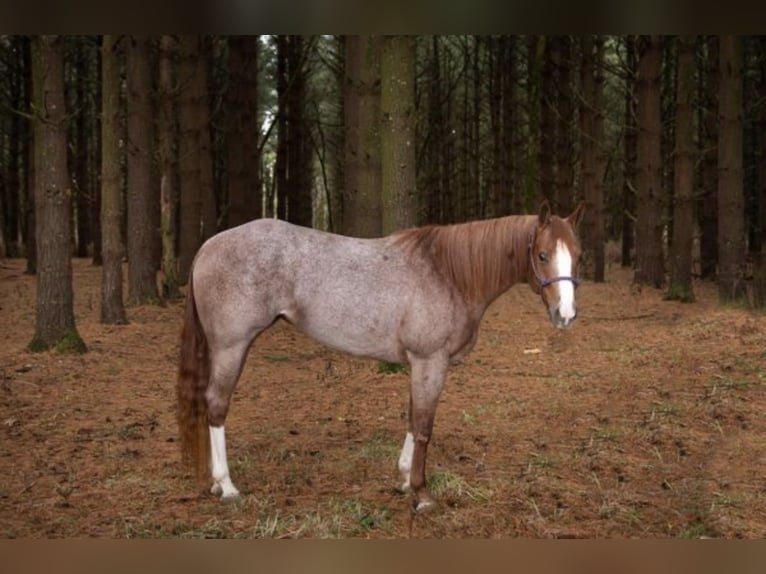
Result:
pixel 480 258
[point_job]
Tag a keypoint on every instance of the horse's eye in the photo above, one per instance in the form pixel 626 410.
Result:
pixel 543 255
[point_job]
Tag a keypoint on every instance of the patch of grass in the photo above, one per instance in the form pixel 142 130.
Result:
pixel 606 434
pixel 681 293
pixel 542 460
pixel 386 368
pixel 666 409
pixel 379 447
pixel 449 485
pixel 731 384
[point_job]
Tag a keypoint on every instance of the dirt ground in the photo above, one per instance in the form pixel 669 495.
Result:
pixel 645 420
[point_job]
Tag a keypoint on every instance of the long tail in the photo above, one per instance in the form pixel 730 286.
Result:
pixel 193 375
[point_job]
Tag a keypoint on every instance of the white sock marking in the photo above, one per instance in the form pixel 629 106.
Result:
pixel 566 288
pixel 220 467
pixel 405 460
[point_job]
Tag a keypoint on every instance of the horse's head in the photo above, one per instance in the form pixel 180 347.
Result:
pixel 554 256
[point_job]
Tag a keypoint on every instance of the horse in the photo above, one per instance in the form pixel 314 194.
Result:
pixel 416 296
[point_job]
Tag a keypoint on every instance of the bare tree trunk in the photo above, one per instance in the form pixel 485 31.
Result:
pixel 189 156
pixel 759 286
pixel 242 132
pixel 547 95
pixel 202 111
pixel 362 186
pixel 55 324
pixel 82 164
pixel 113 250
pixel 142 279
pixel 511 130
pixel 709 177
pixel 630 146
pixel 593 162
pixel 683 206
pixel 30 236
pixel 562 56
pixel 96 153
pixel 397 104
pixel 649 224
pixel 731 236
pixel 166 128
pixel 299 197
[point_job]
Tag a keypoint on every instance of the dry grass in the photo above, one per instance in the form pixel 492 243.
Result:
pixel 645 420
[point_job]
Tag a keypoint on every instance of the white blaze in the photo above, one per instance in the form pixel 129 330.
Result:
pixel 566 288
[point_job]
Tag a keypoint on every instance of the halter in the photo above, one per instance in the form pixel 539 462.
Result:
pixel 540 279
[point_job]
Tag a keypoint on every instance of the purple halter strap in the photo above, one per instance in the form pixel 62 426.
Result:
pixel 542 280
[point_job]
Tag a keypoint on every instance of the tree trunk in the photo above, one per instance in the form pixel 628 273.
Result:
pixel 708 217
pixel 30 235
pixel 592 192
pixel 113 250
pixel 299 198
pixel 630 147
pixel 55 324
pixel 649 224
pixel 435 201
pixel 166 137
pixel 562 55
pixel 189 156
pixel 511 130
pixel 759 286
pixel 202 122
pixel 283 144
pixel 731 236
pixel 13 188
pixel 82 164
pixel 547 153
pixel 142 280
pixel 362 183
pixel 397 104
pixel 683 207
pixel 96 156
pixel 242 131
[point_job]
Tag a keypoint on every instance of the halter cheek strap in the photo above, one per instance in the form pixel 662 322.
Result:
pixel 542 280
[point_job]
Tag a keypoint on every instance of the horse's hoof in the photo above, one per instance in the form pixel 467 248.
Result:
pixel 424 506
pixel 232 498
pixel 216 490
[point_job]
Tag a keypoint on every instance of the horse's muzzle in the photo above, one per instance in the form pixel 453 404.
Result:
pixel 560 321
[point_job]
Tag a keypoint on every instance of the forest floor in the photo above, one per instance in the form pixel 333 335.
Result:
pixel 644 420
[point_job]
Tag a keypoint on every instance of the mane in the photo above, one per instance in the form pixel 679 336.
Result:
pixel 480 258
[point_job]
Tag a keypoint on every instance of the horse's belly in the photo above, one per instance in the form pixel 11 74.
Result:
pixel 355 339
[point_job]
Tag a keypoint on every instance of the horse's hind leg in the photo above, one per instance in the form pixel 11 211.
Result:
pixel 225 368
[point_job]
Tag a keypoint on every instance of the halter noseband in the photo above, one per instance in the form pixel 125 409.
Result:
pixel 542 280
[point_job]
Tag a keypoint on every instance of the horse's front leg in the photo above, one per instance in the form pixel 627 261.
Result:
pixel 428 376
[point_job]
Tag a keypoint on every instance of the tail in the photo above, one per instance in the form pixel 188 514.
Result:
pixel 193 375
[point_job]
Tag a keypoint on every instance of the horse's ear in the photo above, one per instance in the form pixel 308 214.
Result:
pixel 545 212
pixel 575 217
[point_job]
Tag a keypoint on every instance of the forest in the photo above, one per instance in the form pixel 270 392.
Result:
pixel 143 147
pixel 120 155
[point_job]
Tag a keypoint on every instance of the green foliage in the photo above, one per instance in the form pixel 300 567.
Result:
pixel 69 344
pixel 681 293
pixel 385 367
pixel 37 345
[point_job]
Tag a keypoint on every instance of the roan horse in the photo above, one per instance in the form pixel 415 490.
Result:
pixel 417 295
